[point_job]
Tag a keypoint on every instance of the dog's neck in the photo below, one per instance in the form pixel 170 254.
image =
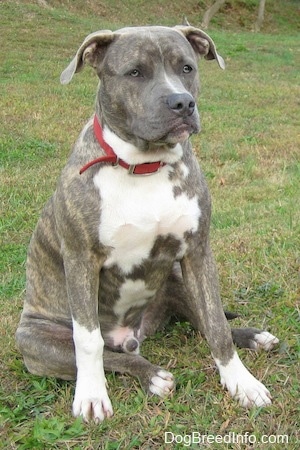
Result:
pixel 137 162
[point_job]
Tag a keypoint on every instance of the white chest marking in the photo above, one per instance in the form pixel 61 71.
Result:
pixel 135 210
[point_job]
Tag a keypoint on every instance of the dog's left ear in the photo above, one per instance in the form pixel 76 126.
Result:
pixel 202 44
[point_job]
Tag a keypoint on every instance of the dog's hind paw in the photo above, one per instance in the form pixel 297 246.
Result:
pixel 254 338
pixel 162 383
pixel 264 340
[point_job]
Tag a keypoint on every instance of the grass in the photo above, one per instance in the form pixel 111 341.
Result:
pixel 249 150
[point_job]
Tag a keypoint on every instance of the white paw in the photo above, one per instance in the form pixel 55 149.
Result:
pixel 162 383
pixel 242 385
pixel 92 404
pixel 265 340
pixel 249 392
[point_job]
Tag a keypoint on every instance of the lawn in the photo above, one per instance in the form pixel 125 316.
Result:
pixel 249 151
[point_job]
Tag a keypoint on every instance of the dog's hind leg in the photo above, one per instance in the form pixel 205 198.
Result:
pixel 172 302
pixel 47 348
pixel 153 379
pixel 253 338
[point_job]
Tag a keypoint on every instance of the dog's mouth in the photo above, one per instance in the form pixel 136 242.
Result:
pixel 165 135
pixel 179 133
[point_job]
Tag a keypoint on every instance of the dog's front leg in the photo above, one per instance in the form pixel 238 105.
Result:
pixel 91 399
pixel 201 280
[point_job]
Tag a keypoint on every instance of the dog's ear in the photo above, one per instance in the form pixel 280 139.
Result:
pixel 91 51
pixel 202 44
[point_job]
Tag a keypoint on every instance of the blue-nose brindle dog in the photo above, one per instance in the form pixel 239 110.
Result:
pixel 123 244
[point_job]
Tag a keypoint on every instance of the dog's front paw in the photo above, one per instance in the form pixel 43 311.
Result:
pixel 242 385
pixel 264 340
pixel 162 383
pixel 249 392
pixel 92 404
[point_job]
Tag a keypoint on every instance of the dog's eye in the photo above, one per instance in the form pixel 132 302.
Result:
pixel 135 73
pixel 187 69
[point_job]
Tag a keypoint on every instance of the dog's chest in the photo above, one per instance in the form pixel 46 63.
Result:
pixel 136 210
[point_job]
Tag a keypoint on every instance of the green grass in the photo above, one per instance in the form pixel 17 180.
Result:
pixel 249 150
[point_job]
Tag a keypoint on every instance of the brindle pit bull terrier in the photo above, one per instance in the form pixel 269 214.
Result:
pixel 116 252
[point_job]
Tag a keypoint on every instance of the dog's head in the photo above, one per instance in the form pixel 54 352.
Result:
pixel 149 81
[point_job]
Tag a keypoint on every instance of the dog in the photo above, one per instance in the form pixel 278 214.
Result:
pixel 123 244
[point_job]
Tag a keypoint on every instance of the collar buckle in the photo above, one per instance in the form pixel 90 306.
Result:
pixel 131 169
pixel 117 163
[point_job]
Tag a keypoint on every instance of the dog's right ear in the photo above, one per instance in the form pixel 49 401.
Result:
pixel 91 51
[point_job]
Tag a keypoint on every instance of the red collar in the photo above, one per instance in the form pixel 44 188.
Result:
pixel 111 157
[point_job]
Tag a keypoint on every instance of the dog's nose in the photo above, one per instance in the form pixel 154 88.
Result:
pixel 182 104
